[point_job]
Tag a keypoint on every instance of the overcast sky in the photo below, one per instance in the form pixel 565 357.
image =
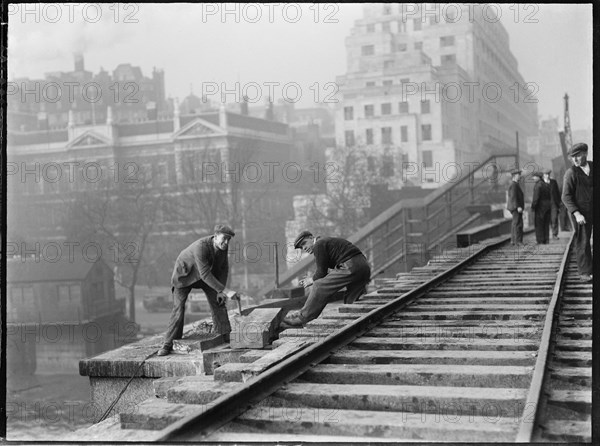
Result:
pixel 195 44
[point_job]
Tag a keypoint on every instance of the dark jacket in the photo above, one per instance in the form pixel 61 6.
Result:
pixel 541 196
pixel 515 197
pixel 201 261
pixel 578 189
pixel 554 193
pixel 331 251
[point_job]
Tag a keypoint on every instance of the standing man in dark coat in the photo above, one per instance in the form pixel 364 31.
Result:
pixel 349 268
pixel 541 205
pixel 554 202
pixel 202 265
pixel 515 204
pixel 577 196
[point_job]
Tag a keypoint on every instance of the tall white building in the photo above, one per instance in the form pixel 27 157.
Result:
pixel 429 85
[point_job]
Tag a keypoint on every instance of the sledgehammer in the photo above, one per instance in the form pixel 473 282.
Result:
pixel 236 296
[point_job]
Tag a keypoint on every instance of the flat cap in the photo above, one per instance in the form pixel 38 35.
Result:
pixel 224 229
pixel 537 174
pixel 578 148
pixel 301 237
pixel 548 171
pixel 515 171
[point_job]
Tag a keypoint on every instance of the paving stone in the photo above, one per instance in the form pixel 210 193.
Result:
pixel 257 329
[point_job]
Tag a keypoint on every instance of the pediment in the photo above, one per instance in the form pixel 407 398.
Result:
pixel 88 139
pixel 198 128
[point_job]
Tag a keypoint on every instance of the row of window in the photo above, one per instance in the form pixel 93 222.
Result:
pixel 386 135
pixel 386 109
pixel 398 47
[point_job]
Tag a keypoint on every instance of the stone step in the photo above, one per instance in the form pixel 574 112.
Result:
pixel 471 315
pixel 479 306
pixel 575 333
pixel 572 378
pixel 241 372
pixel 458 357
pixel 470 300
pixel 421 375
pixel 568 431
pixel 576 400
pixel 573 359
pixel 156 415
pixel 450 344
pixel 474 401
pixel 162 386
pixel 200 393
pixel 574 346
pixel 368 426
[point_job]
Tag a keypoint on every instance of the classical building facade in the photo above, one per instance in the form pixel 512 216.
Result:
pixel 198 168
pixel 430 85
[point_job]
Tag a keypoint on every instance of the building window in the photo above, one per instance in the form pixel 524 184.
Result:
pixel 433 20
pixel 369 111
pixel 386 109
pixel 370 84
pixel 425 107
pixel 448 59
pixel 417 25
pixel 368 50
pixel 349 135
pixel 386 135
pixel 371 163
pixel 387 166
pixel 371 28
pixel 387 9
pixel 369 136
pixel 427 158
pixel 446 40
pixel 418 45
pixel 403 133
pixel 426 132
pixel 348 113
pixel 387 83
pixel 385 27
pixel 403 107
pixel 400 47
pixel 404 80
pixel 388 63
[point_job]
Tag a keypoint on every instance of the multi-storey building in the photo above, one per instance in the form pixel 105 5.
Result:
pixel 47 103
pixel 432 84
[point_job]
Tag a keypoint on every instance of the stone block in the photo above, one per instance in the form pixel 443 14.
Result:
pixel 198 342
pixel 257 329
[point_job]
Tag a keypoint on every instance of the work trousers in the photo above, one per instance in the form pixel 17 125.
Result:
pixel 583 247
pixel 516 228
pixel 354 274
pixel 542 225
pixel 219 312
pixel 554 211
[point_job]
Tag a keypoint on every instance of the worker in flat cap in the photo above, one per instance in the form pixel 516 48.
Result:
pixel 347 266
pixel 515 205
pixel 555 201
pixel 577 195
pixel 203 265
pixel 541 205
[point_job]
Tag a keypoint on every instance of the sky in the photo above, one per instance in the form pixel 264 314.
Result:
pixel 293 50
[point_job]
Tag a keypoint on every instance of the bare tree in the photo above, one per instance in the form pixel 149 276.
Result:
pixel 342 209
pixel 121 217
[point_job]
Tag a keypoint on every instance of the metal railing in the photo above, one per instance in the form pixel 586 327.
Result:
pixel 419 225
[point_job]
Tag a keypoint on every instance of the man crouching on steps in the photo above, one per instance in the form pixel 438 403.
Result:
pixel 349 269
pixel 202 265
